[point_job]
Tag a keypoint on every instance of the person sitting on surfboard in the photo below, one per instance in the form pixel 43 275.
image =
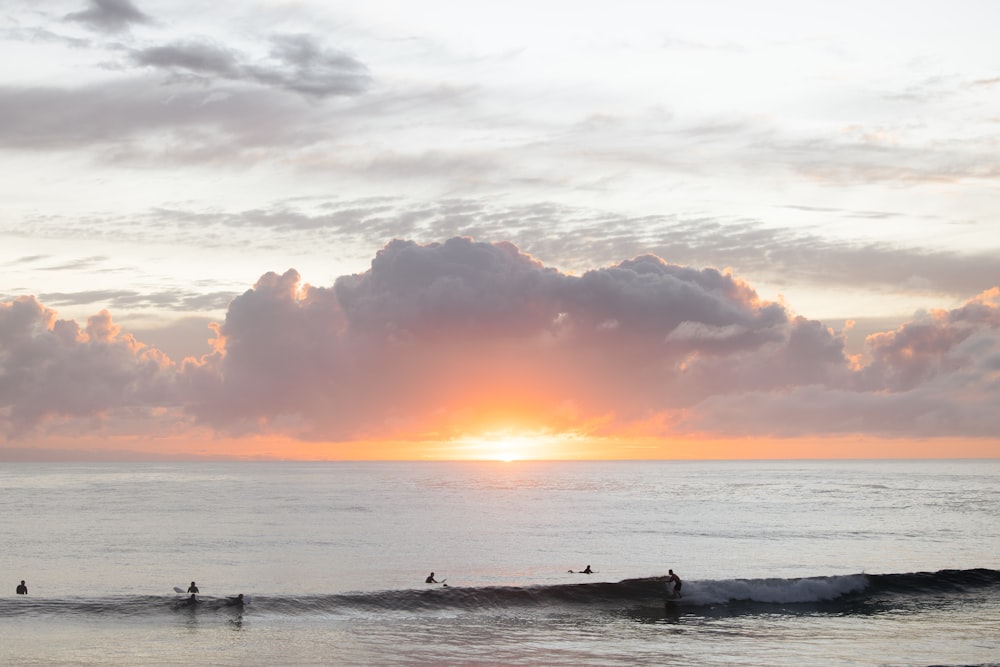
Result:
pixel 22 588
pixel 192 589
pixel 430 579
pixel 677 583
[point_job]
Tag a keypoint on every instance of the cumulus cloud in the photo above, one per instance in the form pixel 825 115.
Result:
pixel 110 15
pixel 437 338
pixel 936 376
pixel 442 339
pixel 52 368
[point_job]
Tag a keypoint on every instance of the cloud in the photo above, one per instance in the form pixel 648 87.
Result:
pixel 110 15
pixel 298 63
pixel 139 117
pixel 936 376
pixel 939 345
pixel 175 300
pixel 184 101
pixel 54 369
pixel 196 57
pixel 441 339
pixel 576 238
pixel 485 331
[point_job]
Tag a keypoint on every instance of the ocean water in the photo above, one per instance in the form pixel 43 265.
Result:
pixel 784 563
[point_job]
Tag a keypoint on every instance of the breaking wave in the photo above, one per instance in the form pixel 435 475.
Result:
pixel 841 594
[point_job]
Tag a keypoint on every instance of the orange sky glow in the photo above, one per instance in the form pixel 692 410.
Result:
pixel 426 231
pixel 504 446
pixel 468 350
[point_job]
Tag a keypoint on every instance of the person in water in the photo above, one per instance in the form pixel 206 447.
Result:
pixel 192 600
pixel 236 601
pixel 22 588
pixel 586 570
pixel 430 579
pixel 677 583
pixel 192 589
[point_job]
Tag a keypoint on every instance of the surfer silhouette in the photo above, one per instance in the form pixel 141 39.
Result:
pixel 192 589
pixel 586 570
pixel 236 601
pixel 22 588
pixel 430 579
pixel 677 583
pixel 192 600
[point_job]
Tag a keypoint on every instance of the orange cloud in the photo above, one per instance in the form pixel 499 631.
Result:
pixel 439 344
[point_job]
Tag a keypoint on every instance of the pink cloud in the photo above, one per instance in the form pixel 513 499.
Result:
pixel 434 337
pixel 936 376
pixel 439 339
pixel 52 368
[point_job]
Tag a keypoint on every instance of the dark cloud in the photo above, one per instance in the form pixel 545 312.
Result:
pixel 118 117
pixel 298 63
pixel 196 57
pixel 302 65
pixel 110 15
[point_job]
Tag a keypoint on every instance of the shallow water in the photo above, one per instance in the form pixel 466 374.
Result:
pixel 775 556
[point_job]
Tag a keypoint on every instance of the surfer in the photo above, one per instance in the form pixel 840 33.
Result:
pixel 677 583
pixel 430 579
pixel 192 600
pixel 192 589
pixel 236 601
pixel 22 588
pixel 586 570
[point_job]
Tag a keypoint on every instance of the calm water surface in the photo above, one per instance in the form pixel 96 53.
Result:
pixel 784 563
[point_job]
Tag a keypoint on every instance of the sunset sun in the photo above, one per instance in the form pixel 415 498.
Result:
pixel 510 446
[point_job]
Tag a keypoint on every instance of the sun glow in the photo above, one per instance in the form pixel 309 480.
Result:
pixel 510 446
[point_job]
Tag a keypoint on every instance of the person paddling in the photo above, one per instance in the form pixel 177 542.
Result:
pixel 430 579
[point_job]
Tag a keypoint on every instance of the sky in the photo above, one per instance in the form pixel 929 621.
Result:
pixel 305 229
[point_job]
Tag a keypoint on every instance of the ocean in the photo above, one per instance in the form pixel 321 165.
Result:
pixel 783 563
